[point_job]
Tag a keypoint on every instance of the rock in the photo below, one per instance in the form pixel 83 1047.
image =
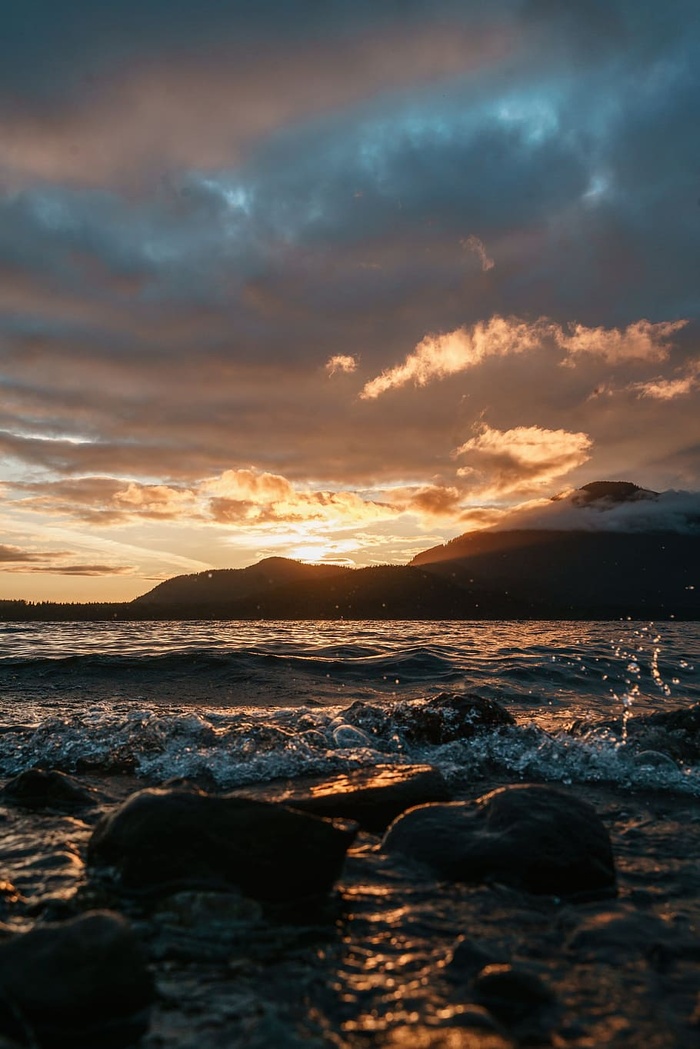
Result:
pixel 203 926
pixel 442 719
pixel 469 957
pixel 517 997
pixel 451 716
pixel 534 838
pixel 82 982
pixel 40 789
pixel 373 797
pixel 673 732
pixel 159 841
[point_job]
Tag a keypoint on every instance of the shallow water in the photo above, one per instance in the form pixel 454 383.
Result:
pixel 241 704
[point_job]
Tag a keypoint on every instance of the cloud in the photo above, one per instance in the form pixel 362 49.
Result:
pixel 79 569
pixel 663 389
pixel 16 555
pixel 472 243
pixel 641 341
pixel 15 559
pixel 435 501
pixel 673 511
pixel 524 458
pixel 249 498
pixel 156 501
pixel 106 500
pixel 438 356
pixel 341 363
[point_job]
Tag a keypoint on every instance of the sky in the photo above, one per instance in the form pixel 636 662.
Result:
pixel 336 279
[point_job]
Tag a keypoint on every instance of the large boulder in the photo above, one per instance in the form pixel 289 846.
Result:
pixel 162 840
pixel 532 837
pixel 82 982
pixel 373 796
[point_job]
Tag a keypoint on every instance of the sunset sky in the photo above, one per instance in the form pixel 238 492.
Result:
pixel 335 279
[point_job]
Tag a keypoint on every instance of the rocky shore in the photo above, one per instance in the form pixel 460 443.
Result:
pixel 387 906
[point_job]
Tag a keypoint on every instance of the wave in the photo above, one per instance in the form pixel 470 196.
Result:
pixel 227 750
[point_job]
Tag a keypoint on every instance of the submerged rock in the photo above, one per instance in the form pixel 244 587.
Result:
pixel 41 789
pixel 373 796
pixel 82 982
pixel 617 935
pixel 518 998
pixel 159 840
pixel 532 837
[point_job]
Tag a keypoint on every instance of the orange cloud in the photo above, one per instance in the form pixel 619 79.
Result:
pixel 641 341
pixel 526 457
pixel 660 389
pixel 438 356
pixel 247 497
pixel 340 363
pixel 156 500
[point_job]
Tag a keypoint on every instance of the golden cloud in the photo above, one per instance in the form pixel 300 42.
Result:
pixel 526 457
pixel 340 363
pixel 247 497
pixel 641 341
pixel 438 356
pixel 660 389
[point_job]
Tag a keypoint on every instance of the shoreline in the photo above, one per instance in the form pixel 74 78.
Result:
pixel 392 956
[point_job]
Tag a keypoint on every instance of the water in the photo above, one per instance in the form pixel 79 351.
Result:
pixel 245 702
pixel 239 704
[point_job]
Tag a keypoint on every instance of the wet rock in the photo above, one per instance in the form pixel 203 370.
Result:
pixel 82 982
pixel 674 732
pixel 517 997
pixel 373 797
pixel 40 789
pixel 442 719
pixel 161 840
pixel 534 838
pixel 452 715
pixel 470 956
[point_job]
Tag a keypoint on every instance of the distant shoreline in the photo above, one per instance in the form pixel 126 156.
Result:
pixel 88 613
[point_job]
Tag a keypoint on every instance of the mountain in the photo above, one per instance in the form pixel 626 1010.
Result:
pixel 217 590
pixel 614 558
pixel 606 551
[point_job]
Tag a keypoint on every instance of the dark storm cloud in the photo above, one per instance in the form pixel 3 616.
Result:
pixel 174 280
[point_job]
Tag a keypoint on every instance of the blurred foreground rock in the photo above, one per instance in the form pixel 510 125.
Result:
pixel 79 983
pixel 159 840
pixel 531 837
